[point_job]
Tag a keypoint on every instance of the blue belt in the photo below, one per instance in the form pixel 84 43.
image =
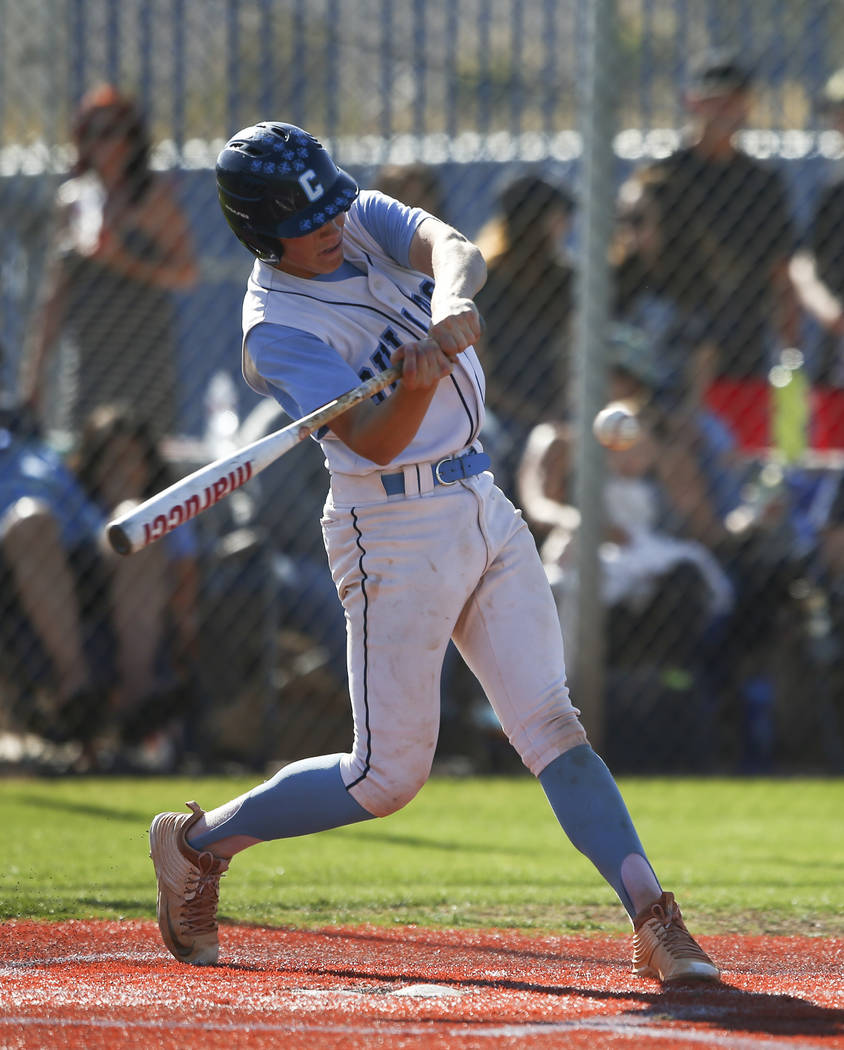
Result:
pixel 446 472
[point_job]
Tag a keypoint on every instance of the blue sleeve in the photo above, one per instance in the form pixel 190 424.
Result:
pixel 29 468
pixel 303 371
pixel 390 222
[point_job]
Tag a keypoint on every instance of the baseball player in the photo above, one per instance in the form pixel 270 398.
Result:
pixel 423 546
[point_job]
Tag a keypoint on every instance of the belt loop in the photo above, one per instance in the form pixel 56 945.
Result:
pixel 426 478
pixel 411 480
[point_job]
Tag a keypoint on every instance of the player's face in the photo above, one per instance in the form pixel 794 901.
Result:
pixel 315 253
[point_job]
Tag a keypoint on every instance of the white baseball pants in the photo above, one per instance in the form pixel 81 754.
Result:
pixel 414 571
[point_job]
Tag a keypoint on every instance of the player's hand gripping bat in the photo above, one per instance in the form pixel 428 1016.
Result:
pixel 160 514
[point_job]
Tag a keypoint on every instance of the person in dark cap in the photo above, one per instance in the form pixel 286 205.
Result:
pixel 527 309
pixel 717 72
pixel 727 231
pixel 818 269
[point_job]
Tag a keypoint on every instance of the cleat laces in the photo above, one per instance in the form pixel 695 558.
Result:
pixel 202 892
pixel 670 930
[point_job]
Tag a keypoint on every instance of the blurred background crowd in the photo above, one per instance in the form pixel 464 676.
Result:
pixel 719 559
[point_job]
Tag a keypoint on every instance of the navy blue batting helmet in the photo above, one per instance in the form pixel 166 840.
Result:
pixel 276 180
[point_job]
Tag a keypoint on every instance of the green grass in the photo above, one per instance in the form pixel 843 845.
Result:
pixel 741 855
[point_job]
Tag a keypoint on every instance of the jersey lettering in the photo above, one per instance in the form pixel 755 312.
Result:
pixel 422 298
pixel 380 358
pixel 313 190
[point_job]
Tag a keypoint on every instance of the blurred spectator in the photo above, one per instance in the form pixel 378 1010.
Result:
pixel 527 309
pixel 665 595
pixel 810 642
pixel 50 647
pixel 832 540
pixel 661 584
pixel 417 185
pixel 818 270
pixel 825 628
pixel 727 231
pixel 651 296
pixel 829 516
pixel 121 247
pixel 150 601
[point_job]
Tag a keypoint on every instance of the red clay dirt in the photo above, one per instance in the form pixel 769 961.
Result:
pixel 97 985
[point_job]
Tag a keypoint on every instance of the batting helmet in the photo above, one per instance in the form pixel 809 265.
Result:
pixel 275 180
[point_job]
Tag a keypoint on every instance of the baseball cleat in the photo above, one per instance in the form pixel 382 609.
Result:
pixel 663 948
pixel 188 888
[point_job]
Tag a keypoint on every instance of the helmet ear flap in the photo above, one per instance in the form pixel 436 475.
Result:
pixel 265 249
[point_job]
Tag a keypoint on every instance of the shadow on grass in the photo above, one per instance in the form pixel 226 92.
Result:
pixel 448 846
pixel 85 809
pixel 119 909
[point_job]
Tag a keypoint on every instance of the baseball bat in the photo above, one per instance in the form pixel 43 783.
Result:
pixel 160 514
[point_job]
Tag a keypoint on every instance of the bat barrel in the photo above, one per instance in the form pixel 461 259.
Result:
pixel 118 537
pixel 135 526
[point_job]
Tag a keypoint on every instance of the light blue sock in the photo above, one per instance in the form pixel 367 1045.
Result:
pixel 300 799
pixel 591 811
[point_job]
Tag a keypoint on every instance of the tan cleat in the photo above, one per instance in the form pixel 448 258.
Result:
pixel 188 888
pixel 663 948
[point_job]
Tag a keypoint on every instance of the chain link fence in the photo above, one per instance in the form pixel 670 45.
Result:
pixel 699 574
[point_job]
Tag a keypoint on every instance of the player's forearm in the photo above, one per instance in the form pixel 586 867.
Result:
pixel 382 432
pixel 459 270
pixel 457 265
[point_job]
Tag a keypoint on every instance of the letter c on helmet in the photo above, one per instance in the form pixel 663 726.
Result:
pixel 313 190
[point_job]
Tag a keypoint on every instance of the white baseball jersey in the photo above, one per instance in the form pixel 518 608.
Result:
pixel 339 331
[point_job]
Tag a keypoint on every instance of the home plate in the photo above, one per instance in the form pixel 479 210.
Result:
pixel 426 991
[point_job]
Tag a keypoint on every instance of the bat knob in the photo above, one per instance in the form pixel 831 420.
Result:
pixel 119 540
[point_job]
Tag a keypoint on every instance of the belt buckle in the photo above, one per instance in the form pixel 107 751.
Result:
pixel 439 477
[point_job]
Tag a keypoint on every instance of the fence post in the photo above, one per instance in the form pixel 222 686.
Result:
pixel 596 111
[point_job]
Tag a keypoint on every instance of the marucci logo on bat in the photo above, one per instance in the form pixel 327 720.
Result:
pixel 161 524
pixel 160 514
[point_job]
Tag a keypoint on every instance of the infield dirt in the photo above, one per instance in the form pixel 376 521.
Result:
pixel 93 985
